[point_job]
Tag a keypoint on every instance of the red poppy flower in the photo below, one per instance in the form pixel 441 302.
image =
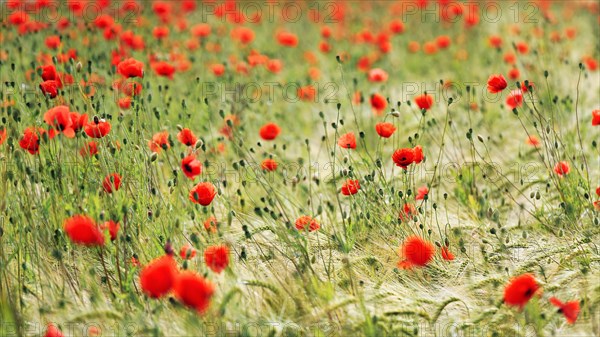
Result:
pixel 304 221
pixel 187 137
pixel 203 193
pixel 522 47
pixel 591 63
pixel 413 46
pixel 307 93
pixel 274 65
pixel 324 47
pixel 417 251
pixel 49 73
pixel 201 30
pixel 164 69
pixel 53 41
pixel 269 164
pixel 378 103
pixel 60 119
pixel 83 230
pixel 218 69
pixel 514 99
pixel 430 48
pixel 49 88
pixel 446 254
pixel 403 157
pixel 187 252
pixel 194 291
pixel 510 58
pixel 131 68
pixel 78 120
pixel 112 227
pixel 443 41
pixel 53 331
pixel 104 21
pixel 211 224
pixel 520 290
pixel 158 277
pixel 191 166
pixel 160 32
pixel 159 141
pixel 130 88
pixel 418 154
pixel 350 187
pixel 496 83
pixel 595 117
pixel 269 131
pixel 598 191
pixel 242 34
pixel 569 309
pixel 31 140
pixel 88 150
pixel 533 141
pixel 406 214
pixel 396 27
pixel 525 88
pixel 421 193
pixel 97 128
pixel 2 135
pixel 377 75
pixel 111 183
pixel 385 130
pixel 562 168
pixel 347 141
pixel 124 103
pixel 287 39
pixel 217 258
pixel 424 102
pixel 514 74
pixel 495 41
pixel 18 18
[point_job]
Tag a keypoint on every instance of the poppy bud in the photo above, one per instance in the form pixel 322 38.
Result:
pixel 153 156
pixel 395 113
pixel 78 67
pixel 169 248
pixel 179 127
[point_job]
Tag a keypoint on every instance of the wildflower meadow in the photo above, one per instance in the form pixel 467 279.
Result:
pixel 299 168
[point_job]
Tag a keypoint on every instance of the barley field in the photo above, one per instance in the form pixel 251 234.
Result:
pixel 299 168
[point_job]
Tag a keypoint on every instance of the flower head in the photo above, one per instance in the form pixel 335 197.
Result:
pixel 83 230
pixel 203 193
pixel 520 290
pixel 217 258
pixel 417 251
pixel 158 277
pixel 193 291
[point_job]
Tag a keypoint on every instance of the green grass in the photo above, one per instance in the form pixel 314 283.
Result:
pixel 494 200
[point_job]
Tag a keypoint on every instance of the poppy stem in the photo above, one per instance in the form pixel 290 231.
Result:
pixel 106 271
pixel 118 267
